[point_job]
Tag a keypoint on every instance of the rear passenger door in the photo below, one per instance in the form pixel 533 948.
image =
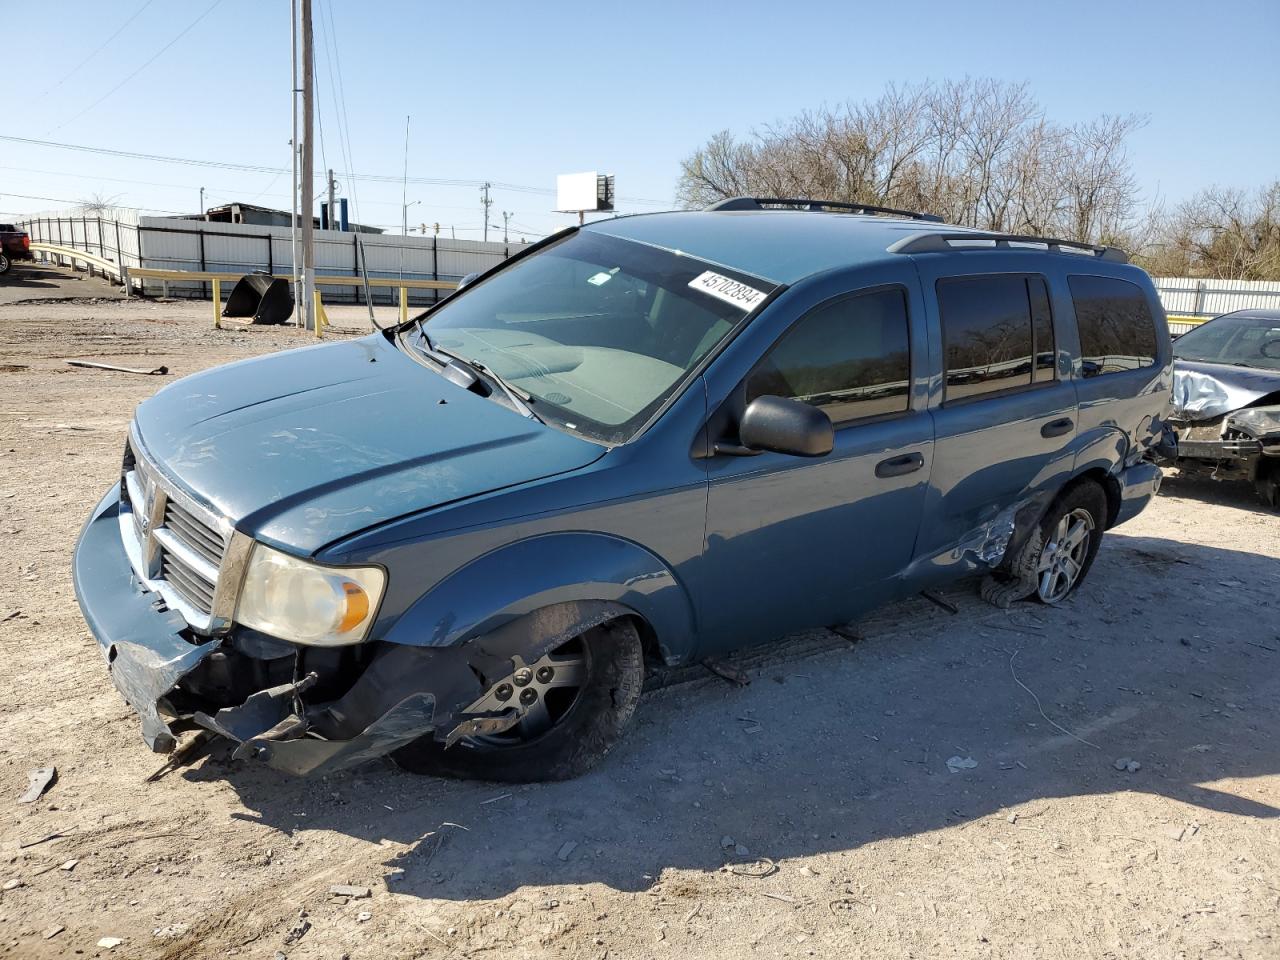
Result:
pixel 1003 406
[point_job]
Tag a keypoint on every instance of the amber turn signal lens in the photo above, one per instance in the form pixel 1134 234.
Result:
pixel 357 607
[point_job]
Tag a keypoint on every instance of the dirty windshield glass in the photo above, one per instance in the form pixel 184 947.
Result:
pixel 1239 341
pixel 598 331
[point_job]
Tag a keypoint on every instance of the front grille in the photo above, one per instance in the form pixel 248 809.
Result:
pixel 178 546
pixel 197 590
pixel 197 534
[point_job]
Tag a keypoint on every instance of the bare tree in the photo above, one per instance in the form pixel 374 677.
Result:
pixel 977 151
pixel 1219 233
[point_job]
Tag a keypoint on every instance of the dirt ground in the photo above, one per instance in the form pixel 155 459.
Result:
pixel 811 813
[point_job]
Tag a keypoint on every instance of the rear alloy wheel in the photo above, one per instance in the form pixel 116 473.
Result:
pixel 574 704
pixel 1055 558
pixel 5 263
pixel 1062 560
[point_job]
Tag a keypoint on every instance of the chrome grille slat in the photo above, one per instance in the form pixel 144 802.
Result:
pixel 197 535
pixel 194 587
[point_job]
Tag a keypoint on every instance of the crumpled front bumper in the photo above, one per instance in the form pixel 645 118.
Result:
pixel 148 652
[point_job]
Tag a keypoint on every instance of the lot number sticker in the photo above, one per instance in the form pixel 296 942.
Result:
pixel 727 289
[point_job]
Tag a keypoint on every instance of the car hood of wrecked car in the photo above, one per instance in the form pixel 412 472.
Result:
pixel 1202 391
pixel 302 448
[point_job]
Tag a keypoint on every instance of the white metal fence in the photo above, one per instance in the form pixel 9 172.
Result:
pixel 162 243
pixel 168 244
pixel 1210 298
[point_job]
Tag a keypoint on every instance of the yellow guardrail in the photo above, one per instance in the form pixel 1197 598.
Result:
pixel 90 260
pixel 204 276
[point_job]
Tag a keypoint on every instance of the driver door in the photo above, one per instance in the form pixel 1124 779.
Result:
pixel 794 542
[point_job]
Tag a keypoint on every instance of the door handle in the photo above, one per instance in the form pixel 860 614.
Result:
pixel 899 466
pixel 1056 428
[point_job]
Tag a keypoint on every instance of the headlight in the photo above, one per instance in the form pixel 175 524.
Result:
pixel 303 602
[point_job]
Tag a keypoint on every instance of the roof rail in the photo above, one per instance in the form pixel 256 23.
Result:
pixel 759 203
pixel 941 242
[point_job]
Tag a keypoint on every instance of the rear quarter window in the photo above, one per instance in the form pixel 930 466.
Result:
pixel 1117 330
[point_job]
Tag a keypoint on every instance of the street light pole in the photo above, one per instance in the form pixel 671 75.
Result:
pixel 308 171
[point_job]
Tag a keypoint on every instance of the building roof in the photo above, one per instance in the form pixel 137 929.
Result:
pixel 777 245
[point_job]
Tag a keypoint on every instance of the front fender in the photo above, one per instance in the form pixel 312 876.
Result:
pixel 556 568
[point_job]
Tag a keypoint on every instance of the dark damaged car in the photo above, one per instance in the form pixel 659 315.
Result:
pixel 1226 397
pixel 650 440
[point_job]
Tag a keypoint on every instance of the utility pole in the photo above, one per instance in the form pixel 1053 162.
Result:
pixel 484 192
pixel 293 152
pixel 331 211
pixel 202 203
pixel 308 171
pixel 506 218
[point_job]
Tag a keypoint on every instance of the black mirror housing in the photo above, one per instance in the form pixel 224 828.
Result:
pixel 782 425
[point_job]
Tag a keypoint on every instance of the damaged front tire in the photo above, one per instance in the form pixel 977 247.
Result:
pixel 564 729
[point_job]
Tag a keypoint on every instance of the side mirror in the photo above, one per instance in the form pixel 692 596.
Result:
pixel 786 426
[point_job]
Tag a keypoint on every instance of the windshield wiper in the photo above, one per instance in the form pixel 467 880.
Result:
pixel 518 398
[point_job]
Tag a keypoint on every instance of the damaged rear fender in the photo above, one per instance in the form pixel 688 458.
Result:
pixel 545 573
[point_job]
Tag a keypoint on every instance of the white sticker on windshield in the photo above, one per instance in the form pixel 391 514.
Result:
pixel 600 279
pixel 729 290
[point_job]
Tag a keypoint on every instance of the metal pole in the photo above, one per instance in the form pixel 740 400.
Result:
pixel 293 153
pixel 331 211
pixel 308 172
pixel 487 203
pixel 202 203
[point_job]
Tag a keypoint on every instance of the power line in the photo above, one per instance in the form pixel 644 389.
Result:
pixel 259 168
pixel 106 43
pixel 189 27
pixel 81 203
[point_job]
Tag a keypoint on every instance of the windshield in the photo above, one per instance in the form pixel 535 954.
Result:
pixel 597 331
pixel 1242 341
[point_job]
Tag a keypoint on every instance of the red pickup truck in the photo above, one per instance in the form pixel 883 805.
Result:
pixel 15 244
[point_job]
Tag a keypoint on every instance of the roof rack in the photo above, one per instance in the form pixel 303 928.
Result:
pixel 942 242
pixel 759 203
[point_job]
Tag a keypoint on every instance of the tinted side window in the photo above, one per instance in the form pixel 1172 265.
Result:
pixel 997 334
pixel 1117 331
pixel 849 357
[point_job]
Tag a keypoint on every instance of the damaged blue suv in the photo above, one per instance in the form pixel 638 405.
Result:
pixel 653 439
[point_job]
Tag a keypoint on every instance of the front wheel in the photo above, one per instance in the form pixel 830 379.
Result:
pixel 5 263
pixel 574 702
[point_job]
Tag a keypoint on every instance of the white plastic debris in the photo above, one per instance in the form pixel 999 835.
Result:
pixel 956 764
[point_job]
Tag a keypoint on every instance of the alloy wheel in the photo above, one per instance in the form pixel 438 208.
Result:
pixel 542 693
pixel 1063 558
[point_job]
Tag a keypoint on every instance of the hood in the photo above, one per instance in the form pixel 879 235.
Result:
pixel 1202 391
pixel 305 447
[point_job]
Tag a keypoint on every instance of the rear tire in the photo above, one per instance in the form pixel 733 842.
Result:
pixel 5 263
pixel 1053 562
pixel 577 741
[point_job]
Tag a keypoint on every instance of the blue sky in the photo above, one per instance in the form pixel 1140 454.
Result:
pixel 518 92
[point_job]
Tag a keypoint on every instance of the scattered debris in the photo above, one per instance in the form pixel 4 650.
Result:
pixel 170 932
pixel 779 896
pixel 1053 723
pixel 344 890
pixel 22 845
pixel 53 931
pixel 764 867
pixel 503 796
pixel 154 372
pixel 363 916
pixel 722 668
pixel 940 601
pixel 740 850
pixel 847 632
pixel 566 849
pixel 726 842
pixel 185 754
pixel 13 884
pixel 70 865
pixel 110 943
pixel 1128 765
pixel 297 931
pixel 956 764
pixel 38 781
